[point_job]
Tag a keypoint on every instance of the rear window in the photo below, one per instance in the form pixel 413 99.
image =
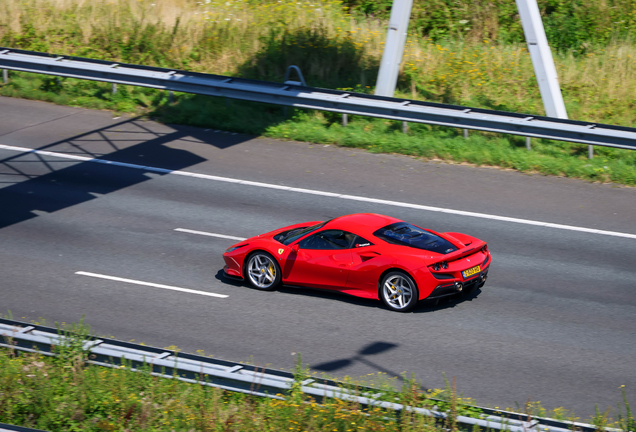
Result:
pixel 405 234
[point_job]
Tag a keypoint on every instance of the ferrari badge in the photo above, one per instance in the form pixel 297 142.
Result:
pixel 280 251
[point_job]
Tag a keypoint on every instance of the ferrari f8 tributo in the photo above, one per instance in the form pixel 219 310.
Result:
pixel 365 255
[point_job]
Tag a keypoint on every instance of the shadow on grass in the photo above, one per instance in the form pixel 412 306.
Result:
pixel 326 62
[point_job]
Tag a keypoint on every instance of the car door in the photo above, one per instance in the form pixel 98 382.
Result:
pixel 366 266
pixel 322 260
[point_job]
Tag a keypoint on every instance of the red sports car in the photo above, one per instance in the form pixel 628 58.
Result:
pixel 365 255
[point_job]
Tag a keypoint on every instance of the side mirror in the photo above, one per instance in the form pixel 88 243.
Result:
pixel 294 248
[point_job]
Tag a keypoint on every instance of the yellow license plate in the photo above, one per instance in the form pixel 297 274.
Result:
pixel 471 271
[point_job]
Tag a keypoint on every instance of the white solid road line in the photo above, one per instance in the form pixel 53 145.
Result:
pixel 150 284
pixel 327 194
pixel 209 234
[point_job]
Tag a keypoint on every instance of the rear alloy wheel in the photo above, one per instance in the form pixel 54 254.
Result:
pixel 263 271
pixel 399 292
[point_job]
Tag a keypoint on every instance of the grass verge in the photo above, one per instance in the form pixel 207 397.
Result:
pixel 375 135
pixel 65 393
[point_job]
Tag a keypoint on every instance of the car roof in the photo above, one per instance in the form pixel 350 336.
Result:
pixel 363 224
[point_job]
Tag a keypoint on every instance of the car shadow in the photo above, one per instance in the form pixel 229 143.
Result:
pixel 305 292
pixel 449 302
pixel 425 306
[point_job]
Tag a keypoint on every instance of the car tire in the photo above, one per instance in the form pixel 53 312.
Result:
pixel 262 271
pixel 398 291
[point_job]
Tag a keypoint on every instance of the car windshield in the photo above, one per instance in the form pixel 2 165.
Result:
pixel 293 235
pixel 403 233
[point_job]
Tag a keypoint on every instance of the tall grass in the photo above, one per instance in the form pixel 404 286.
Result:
pixel 260 39
pixel 211 36
pixel 65 394
pixel 571 25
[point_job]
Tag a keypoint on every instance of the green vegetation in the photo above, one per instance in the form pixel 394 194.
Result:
pixel 571 25
pixel 41 393
pixel 65 393
pixel 461 52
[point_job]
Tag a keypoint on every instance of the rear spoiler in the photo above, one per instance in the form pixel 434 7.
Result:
pixel 474 247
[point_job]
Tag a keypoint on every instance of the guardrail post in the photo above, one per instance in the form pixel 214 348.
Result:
pixel 171 96
pixel 5 76
pixel 528 144
pixel 405 127
pixel 300 76
pixel 465 133
pixel 295 83
pixel 345 119
pixel 590 152
pixel 114 88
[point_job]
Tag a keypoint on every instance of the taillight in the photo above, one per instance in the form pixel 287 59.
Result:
pixel 436 267
pixel 485 249
pixel 444 265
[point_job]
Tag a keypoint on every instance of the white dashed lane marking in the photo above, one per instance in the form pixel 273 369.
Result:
pixel 150 284
pixel 209 234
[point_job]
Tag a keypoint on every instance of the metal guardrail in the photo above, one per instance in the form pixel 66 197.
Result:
pixel 13 428
pixel 320 99
pixel 251 379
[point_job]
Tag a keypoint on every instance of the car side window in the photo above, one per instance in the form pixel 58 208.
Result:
pixel 329 239
pixel 359 242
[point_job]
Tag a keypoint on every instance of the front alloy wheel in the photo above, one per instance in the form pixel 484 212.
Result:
pixel 399 292
pixel 263 271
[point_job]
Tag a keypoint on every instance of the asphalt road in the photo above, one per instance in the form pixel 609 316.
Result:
pixel 556 321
